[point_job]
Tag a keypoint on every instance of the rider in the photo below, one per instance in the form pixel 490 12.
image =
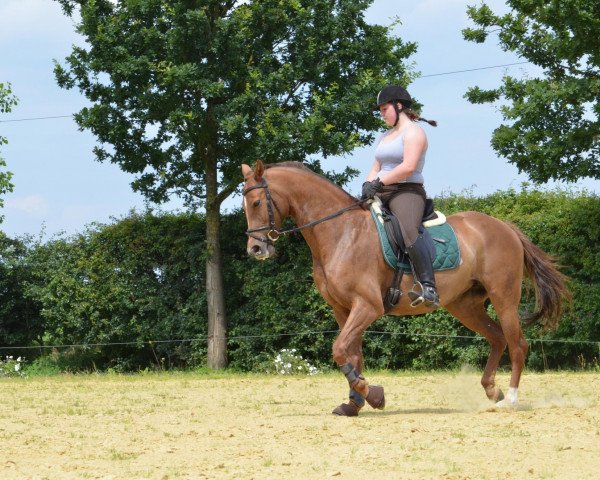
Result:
pixel 396 177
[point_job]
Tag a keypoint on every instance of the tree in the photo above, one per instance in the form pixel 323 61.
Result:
pixel 7 101
pixel 553 129
pixel 184 91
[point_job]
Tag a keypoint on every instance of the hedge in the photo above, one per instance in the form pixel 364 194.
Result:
pixel 132 292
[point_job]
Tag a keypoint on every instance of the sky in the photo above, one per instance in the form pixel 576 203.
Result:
pixel 60 188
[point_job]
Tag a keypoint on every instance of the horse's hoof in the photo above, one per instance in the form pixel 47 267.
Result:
pixel 376 397
pixel 505 403
pixel 346 410
pixel 499 396
pixel 494 394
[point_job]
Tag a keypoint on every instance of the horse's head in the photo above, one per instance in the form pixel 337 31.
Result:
pixel 262 214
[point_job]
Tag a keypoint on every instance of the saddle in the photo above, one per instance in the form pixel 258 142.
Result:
pixel 440 239
pixel 388 227
pixel 394 233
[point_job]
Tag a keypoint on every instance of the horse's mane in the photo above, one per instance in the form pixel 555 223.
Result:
pixel 299 165
pixel 303 167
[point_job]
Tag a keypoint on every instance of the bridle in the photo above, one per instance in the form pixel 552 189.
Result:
pixel 273 233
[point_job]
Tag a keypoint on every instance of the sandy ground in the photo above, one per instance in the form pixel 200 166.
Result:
pixel 192 426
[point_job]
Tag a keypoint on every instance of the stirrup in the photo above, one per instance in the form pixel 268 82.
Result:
pixel 417 296
pixel 392 297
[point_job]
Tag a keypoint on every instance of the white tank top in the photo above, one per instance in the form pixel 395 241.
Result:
pixel 390 154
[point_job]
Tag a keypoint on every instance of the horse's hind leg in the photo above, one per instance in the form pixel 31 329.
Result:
pixel 470 310
pixel 507 309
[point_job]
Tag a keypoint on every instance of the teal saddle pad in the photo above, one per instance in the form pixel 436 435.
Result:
pixel 444 238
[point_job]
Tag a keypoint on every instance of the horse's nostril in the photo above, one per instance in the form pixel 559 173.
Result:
pixel 255 250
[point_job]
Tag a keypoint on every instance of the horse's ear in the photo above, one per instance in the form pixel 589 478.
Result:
pixel 259 169
pixel 246 171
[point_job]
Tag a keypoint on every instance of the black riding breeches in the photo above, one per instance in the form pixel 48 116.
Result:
pixel 407 203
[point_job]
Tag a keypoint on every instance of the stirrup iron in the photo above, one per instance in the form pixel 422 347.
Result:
pixel 416 294
pixel 420 298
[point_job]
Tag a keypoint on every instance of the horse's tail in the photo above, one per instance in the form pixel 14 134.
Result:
pixel 550 285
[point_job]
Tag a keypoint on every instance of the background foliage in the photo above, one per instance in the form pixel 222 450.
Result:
pixel 552 119
pixel 139 281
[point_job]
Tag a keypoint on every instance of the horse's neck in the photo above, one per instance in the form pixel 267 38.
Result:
pixel 311 198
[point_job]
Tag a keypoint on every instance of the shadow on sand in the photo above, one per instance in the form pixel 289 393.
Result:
pixel 412 411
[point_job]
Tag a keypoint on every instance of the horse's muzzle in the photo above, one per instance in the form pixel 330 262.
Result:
pixel 260 251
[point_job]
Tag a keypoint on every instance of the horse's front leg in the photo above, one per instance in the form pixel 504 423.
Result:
pixel 347 353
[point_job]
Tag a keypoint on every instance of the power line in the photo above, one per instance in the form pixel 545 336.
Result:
pixel 35 118
pixel 472 69
pixel 422 76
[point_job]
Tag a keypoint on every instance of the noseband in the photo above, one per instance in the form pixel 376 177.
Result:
pixel 273 234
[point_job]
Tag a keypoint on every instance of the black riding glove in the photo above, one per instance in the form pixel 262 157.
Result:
pixel 369 189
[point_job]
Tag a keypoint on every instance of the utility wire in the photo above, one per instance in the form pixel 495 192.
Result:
pixel 35 118
pixel 472 69
pixel 422 76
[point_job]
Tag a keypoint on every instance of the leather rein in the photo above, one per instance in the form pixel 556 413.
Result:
pixel 273 233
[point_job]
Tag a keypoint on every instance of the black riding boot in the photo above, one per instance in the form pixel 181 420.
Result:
pixel 423 268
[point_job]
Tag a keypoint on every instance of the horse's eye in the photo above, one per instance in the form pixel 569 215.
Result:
pixel 256 203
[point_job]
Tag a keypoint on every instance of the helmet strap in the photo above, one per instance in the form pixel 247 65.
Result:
pixel 398 110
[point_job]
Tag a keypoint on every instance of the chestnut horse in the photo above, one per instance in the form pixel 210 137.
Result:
pixel 352 276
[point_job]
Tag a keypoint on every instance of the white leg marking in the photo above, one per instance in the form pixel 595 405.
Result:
pixel 511 399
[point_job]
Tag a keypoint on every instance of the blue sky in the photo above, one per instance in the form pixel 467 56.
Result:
pixel 59 187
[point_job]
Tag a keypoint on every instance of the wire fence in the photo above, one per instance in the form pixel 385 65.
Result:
pixel 234 338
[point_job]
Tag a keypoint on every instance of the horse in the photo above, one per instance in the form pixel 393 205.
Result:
pixel 351 274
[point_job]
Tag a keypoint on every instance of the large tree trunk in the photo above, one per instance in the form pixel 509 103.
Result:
pixel 217 319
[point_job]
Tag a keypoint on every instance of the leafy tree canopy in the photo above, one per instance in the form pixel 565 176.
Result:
pixel 183 89
pixel 7 101
pixel 553 127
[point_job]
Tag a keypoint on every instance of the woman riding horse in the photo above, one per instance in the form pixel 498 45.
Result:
pixel 494 255
pixel 342 238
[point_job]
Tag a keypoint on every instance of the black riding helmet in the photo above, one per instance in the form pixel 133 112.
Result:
pixel 394 94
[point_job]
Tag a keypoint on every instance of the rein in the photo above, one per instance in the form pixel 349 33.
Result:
pixel 273 233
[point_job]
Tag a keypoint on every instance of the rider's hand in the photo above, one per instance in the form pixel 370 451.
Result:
pixel 369 189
